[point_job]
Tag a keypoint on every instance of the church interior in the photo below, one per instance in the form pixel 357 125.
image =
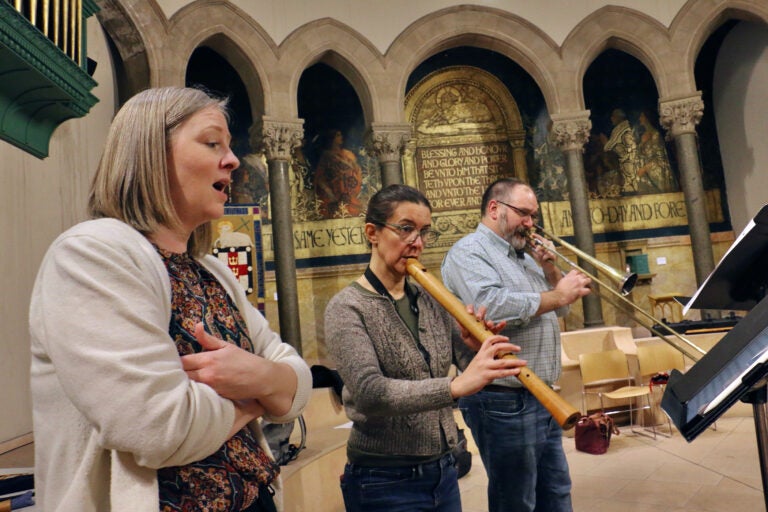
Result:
pixel 635 122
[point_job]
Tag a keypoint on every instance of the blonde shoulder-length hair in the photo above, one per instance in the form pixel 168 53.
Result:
pixel 131 183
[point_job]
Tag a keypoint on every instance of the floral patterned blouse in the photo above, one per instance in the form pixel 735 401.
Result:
pixel 229 479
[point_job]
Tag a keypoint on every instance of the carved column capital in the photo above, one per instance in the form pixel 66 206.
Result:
pixel 681 115
pixel 278 138
pixel 387 141
pixel 517 140
pixel 571 131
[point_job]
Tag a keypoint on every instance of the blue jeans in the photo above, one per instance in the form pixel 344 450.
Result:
pixel 521 447
pixel 433 486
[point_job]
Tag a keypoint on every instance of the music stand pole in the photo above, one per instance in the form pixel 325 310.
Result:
pixel 758 397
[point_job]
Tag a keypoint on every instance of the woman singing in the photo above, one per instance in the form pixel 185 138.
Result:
pixel 149 365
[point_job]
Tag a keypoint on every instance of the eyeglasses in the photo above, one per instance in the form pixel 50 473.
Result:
pixel 523 213
pixel 409 234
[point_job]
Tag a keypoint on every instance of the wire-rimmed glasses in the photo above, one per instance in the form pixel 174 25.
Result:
pixel 409 233
pixel 523 213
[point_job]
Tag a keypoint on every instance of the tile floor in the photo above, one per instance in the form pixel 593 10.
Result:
pixel 718 471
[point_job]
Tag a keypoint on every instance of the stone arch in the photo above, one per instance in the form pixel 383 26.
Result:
pixel 233 35
pixel 693 25
pixel 225 47
pixel 135 42
pixel 481 27
pixel 477 114
pixel 338 46
pixel 627 30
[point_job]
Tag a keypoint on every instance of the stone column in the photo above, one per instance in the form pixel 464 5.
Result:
pixel 279 138
pixel 519 162
pixel 680 117
pixel 387 141
pixel 571 133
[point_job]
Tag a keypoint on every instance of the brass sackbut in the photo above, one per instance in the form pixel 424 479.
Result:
pixel 615 295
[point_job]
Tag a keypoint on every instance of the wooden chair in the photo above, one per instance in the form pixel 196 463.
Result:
pixel 654 358
pixel 609 369
pixel 657 358
pixel 665 307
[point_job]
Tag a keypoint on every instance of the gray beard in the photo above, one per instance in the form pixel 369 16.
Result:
pixel 518 243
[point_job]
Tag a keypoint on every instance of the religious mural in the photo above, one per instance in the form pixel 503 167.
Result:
pixel 631 177
pixel 629 174
pixel 475 116
pixel 250 181
pixel 332 179
pixel 548 176
pixel 328 193
pixel 631 159
pixel 468 132
pixel 338 178
pixel 630 167
pixel 332 175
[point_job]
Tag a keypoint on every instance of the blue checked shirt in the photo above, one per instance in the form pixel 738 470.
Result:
pixel 483 269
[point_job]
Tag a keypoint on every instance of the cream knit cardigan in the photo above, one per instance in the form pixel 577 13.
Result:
pixel 111 403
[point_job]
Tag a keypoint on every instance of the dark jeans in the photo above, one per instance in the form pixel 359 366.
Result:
pixel 521 446
pixel 426 487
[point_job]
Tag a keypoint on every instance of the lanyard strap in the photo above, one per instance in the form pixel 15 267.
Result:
pixel 379 287
pixel 411 295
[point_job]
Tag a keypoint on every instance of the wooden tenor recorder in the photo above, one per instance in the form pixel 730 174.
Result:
pixel 563 412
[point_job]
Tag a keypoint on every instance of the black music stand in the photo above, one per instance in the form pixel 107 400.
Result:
pixel 736 368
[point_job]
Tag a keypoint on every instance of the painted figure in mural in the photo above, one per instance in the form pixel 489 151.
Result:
pixel 601 168
pixel 552 184
pixel 249 180
pixel 302 197
pixel 371 173
pixel 457 112
pixel 394 345
pixel 338 178
pixel 622 142
pixel 148 380
pixel 521 445
pixel 250 184
pixel 654 172
pixel 228 237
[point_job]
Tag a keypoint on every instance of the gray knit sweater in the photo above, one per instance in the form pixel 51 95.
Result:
pixel 398 405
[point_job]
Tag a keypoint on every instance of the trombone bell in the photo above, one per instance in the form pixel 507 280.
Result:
pixel 625 282
pixel 628 283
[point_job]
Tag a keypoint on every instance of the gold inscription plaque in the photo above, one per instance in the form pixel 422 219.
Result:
pixel 333 237
pixel 467 132
pixel 456 176
pixel 648 211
